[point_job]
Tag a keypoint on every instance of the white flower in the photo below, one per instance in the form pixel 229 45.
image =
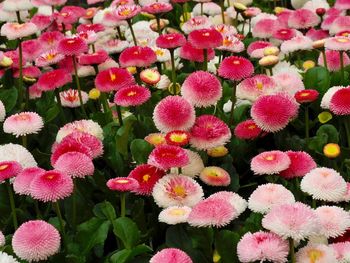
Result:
pixel 174 215
pixel 17 5
pixel 16 152
pixel 5 258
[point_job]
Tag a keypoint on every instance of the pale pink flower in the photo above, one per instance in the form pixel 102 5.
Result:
pixel 270 162
pixel 24 123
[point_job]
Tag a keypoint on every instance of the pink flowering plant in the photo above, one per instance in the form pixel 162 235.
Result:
pixel 174 131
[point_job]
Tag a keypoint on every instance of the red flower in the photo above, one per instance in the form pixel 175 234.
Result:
pixel 307 95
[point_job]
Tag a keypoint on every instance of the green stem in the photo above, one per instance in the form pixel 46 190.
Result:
pixel 78 86
pixel 233 100
pixel 106 108
pixel 20 69
pixel 205 59
pixel 222 11
pixel 24 141
pixel 120 36
pixel 37 210
pixel 120 117
pixel 341 66
pixel 132 31
pixel 12 204
pixel 307 125
pixel 292 250
pixel 158 25
pixel 324 58
pixel 60 219
pixel 347 129
pixel 173 70
pixel 18 17
pixel 313 204
pixel 202 12
pixel 122 204
pixel 59 102
pixel 270 71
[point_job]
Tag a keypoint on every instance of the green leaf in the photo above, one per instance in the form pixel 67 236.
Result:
pixel 317 78
pixel 92 233
pixel 52 113
pixel 123 135
pixel 125 255
pixel 140 150
pixel 226 245
pixel 127 231
pixel 105 210
pixel 330 131
pixel 9 98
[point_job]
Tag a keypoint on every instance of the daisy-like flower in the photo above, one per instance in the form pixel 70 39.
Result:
pixel 75 164
pixel 301 164
pixel 194 167
pixel 21 183
pixel 48 58
pixel 303 18
pixel 326 99
pixel 173 113
pixel 269 195
pixel 215 176
pixel 170 255
pixel 256 86
pixel 123 184
pixel 31 49
pixel 334 221
pixel 235 68
pixel 155 139
pixel 132 96
pixel 196 23
pixel 9 169
pixel 319 253
pixel 272 113
pixel 297 221
pixel 247 130
pixel 36 240
pixel 137 57
pixel 16 152
pixel 333 60
pixel 256 48
pixel 2 111
pixel 150 76
pixel 15 30
pixel 72 46
pixel 177 190
pixel 66 146
pixel 262 246
pixel 50 39
pixel 2 240
pixel 163 55
pixel 51 186
pixel 24 123
pixel 88 126
pixel 208 132
pixel 187 51
pixel 113 79
pixel 168 156
pixel 296 43
pixel 98 57
pixel 342 251
pixel 90 27
pixel 17 5
pixel 174 215
pixel 171 41
pixel 339 103
pixel 231 43
pixel 284 34
pixel 54 79
pixel 337 43
pixel 339 24
pixel 205 38
pixel 270 162
pixel 324 184
pixel 237 202
pixel 306 96
pixel 211 213
pixel 7 258
pixel 70 98
pixel 289 82
pixel 179 138
pixel 124 12
pixel 264 28
pixel 218 151
pixel 157 8
pixel 112 46
pixel 147 176
pixel 201 89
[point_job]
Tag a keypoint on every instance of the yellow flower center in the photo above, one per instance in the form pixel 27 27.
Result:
pixel 50 176
pixel 179 190
pixel 131 93
pixel 259 86
pixel 159 52
pixel 342 40
pixel 236 62
pixel 331 150
pixel 121 181
pixel 112 76
pixel 177 212
pixel 178 137
pixel 314 255
pixel 125 12
pixel 146 177
pixel 3 167
pixel 270 158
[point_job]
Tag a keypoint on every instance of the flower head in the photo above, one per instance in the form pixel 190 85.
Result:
pixel 48 58
pixel 15 30
pixel 72 46
pixel 215 176
pixel 88 126
pixel 303 18
pixel 339 103
pixel 172 40
pixel 247 130
pixel 24 123
pixel 54 79
pixel 137 57
pixel 334 221
pixel 173 215
pixel 75 164
pixel 301 164
pixel 187 51
pixel 205 38
pixel 113 79
pixel 306 96
pixel 235 68
pixel 157 8
pixel 171 255
pixel 333 60
pixel 16 152
pixel 9 169
pixel 70 98
pixel 316 253
pixel 21 183
pixel 132 96
pixel 168 156
pixel 270 162
pixel 124 12
pixel 123 184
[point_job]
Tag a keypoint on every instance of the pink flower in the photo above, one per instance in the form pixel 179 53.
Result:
pixel 23 123
pixel 267 196
pixel 173 215
pixel 69 14
pixel 195 23
pixel 205 38
pixel 231 43
pixel 132 96
pixel 187 51
pixel 54 79
pixel 270 162
pixel 75 164
pixel 9 169
pixel 179 138
pixel 301 164
pixel 334 221
pixel 66 146
pixel 303 18
pixel 342 251
pixel 31 49
pixel 215 176
pixel 235 68
pixel 262 246
pixel 92 59
pixel 90 27
pixel 340 23
pixel 36 240
pixel 41 21
pixel 317 34
pixel 168 156
pixel 21 183
pixel 337 43
pixel 137 57
pixel 113 79
pixel 70 98
pixel 236 201
pixel 297 221
pixel 284 34
pixel 201 89
pixel 170 41
pixel 177 190
pixel 247 130
pixel 49 40
pixel 157 8
pixel 123 184
pixel 124 12
pixel 208 132
pixel 51 186
pixel 211 213
pixel 147 176
pixel 171 255
pixel 339 104
pixel 15 30
pixel 306 96
pixel 264 28
pixel 256 48
pixel 173 113
pixel 48 58
pixel 319 253
pixel 72 46
pixel 272 113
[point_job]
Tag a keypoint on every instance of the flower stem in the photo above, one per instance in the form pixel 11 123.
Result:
pixel 18 14
pixel 292 250
pixel 341 66
pixel 307 125
pixel 60 219
pixel 222 11
pixel 347 129
pixel 105 105
pixel 59 102
pixel 24 141
pixel 202 11
pixel 158 25
pixel 233 100
pixel 78 86
pixel 132 31
pixel 122 204
pixel 324 58
pixel 12 204
pixel 120 116
pixel 173 70
pixel 205 59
